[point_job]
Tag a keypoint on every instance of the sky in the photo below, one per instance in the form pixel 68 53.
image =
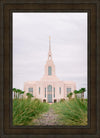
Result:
pixel 68 33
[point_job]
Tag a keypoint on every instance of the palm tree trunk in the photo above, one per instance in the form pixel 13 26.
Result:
pixel 14 95
pixel 83 96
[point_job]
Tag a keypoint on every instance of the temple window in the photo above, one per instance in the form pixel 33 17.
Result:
pixel 54 92
pixel 30 90
pixel 45 92
pixel 59 90
pixel 68 90
pixel 49 70
pixel 49 88
pixel 39 90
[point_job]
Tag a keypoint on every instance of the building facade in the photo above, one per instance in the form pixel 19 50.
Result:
pixel 49 89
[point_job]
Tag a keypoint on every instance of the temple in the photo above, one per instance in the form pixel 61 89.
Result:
pixel 49 89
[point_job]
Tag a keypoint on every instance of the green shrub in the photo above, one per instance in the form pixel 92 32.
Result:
pixel 24 110
pixel 62 100
pixel 72 112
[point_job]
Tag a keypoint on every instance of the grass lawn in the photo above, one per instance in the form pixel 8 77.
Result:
pixel 72 112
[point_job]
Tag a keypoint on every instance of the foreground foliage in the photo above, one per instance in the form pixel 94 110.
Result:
pixel 72 112
pixel 24 110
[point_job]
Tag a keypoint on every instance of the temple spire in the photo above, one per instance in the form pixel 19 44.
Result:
pixel 49 54
pixel 49 43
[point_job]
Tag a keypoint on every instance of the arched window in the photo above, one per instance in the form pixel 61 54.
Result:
pixel 49 88
pixel 49 70
pixel 54 92
pixel 59 90
pixel 39 90
pixel 45 92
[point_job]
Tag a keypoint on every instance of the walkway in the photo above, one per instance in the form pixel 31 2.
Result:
pixel 48 118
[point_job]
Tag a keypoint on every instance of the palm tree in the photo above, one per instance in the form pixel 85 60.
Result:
pixel 82 90
pixel 14 90
pixel 70 95
pixel 22 92
pixel 76 92
pixel 19 91
pixel 29 95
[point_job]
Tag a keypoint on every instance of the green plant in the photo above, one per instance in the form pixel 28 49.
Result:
pixel 24 111
pixel 62 100
pixel 75 91
pixel 22 92
pixel 82 90
pixel 29 95
pixel 70 95
pixel 72 112
pixel 15 92
pixel 18 91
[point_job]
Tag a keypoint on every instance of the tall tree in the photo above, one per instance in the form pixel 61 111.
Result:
pixel 82 90
pixel 76 92
pixel 19 92
pixel 14 90
pixel 22 92
pixel 70 95
pixel 29 95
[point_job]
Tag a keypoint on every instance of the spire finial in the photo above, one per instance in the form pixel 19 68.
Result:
pixel 49 54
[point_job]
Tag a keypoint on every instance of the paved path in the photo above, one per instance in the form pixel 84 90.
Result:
pixel 48 118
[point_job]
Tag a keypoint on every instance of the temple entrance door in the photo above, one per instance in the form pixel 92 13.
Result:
pixel 49 94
